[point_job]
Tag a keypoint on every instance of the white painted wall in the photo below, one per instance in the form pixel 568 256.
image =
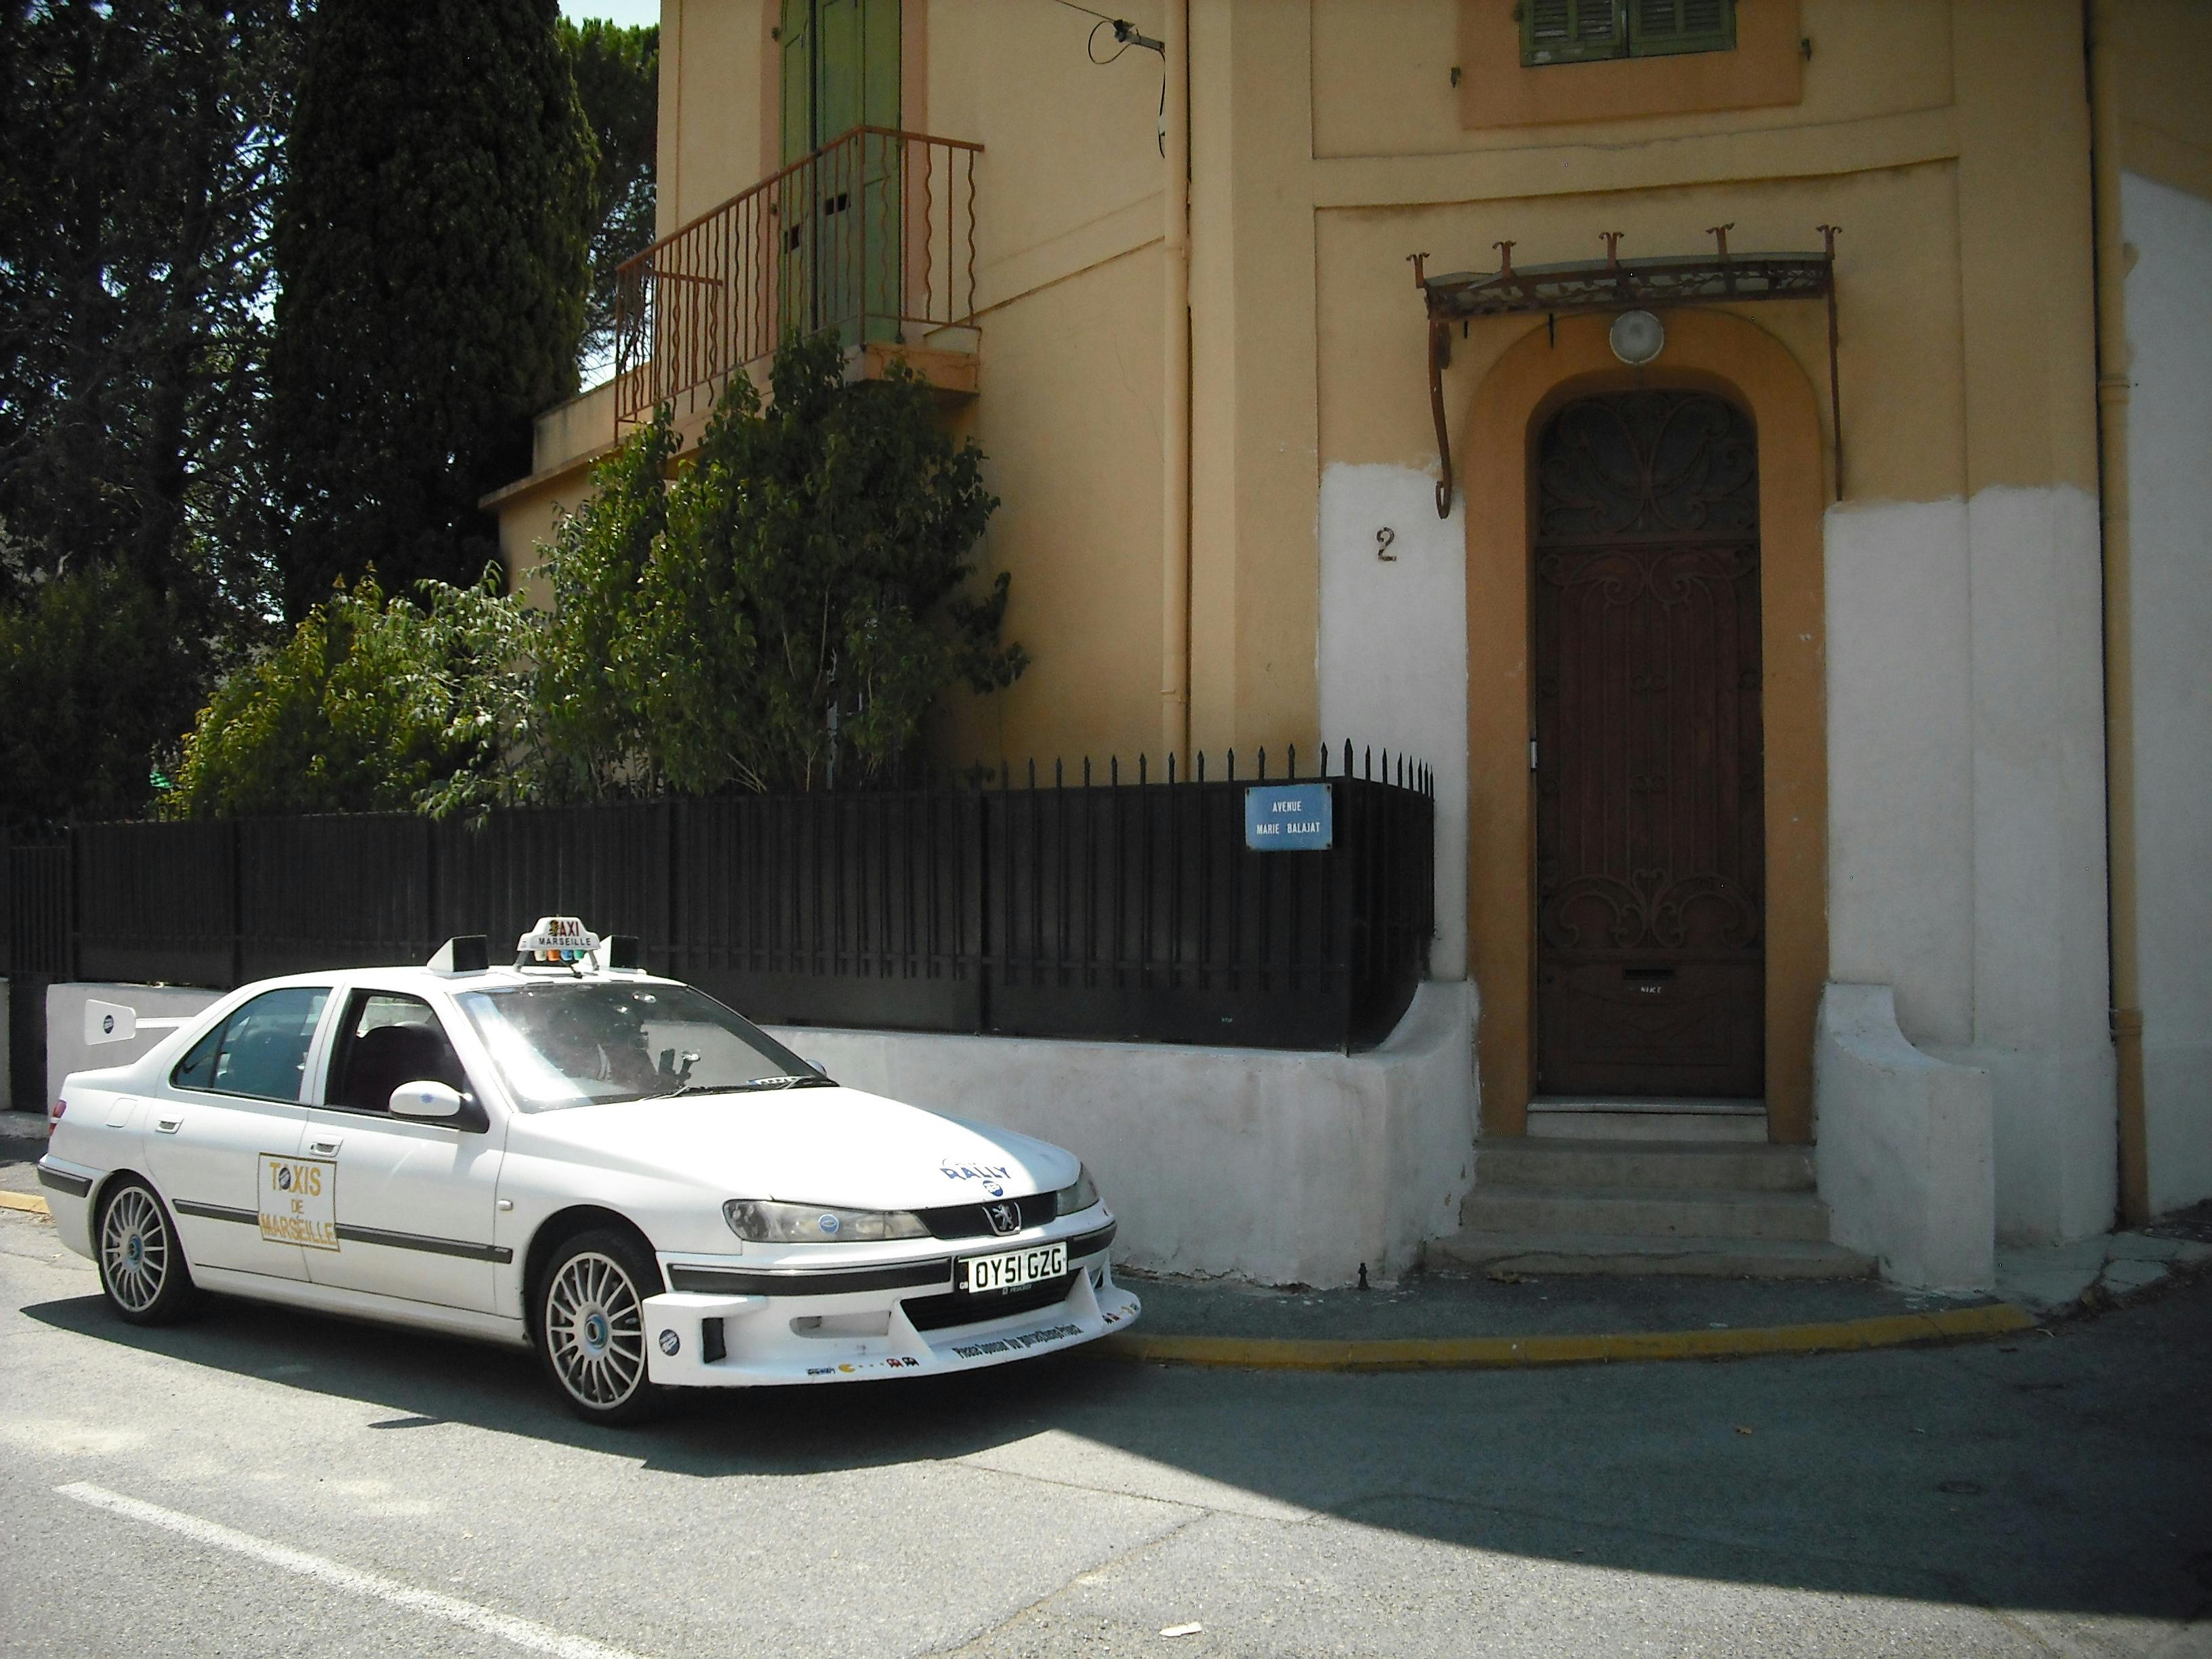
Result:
pixel 67 1050
pixel 1392 661
pixel 1279 1168
pixel 2169 235
pixel 1966 833
pixel 1901 792
pixel 1906 1155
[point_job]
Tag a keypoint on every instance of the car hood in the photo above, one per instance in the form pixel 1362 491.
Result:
pixel 838 1146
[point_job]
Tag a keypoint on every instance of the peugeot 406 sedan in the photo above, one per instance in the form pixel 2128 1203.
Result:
pixel 575 1155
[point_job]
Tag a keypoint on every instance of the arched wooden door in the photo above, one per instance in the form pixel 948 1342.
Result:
pixel 1649 830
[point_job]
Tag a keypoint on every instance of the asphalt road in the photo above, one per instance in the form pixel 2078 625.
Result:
pixel 266 1483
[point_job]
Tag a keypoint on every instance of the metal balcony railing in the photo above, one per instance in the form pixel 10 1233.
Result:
pixel 873 236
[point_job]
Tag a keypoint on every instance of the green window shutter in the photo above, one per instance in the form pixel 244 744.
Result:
pixel 1569 31
pixel 796 39
pixel 1659 28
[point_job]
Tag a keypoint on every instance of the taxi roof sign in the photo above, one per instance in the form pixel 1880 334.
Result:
pixel 556 941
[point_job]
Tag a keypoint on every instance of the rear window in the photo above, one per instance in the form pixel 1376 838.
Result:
pixel 261 1051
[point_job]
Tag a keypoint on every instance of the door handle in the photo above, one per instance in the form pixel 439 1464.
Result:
pixel 324 1148
pixel 168 1125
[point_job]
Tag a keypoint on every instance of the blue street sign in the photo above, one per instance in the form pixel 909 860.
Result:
pixel 1288 817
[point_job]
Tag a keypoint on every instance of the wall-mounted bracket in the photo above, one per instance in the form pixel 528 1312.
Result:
pixel 1615 285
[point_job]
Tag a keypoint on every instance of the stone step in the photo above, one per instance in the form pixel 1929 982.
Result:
pixel 1601 1118
pixel 1633 1254
pixel 1688 1212
pixel 1669 1165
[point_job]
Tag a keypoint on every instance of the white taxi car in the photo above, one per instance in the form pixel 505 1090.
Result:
pixel 574 1154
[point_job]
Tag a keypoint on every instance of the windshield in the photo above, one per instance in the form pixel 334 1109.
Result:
pixel 587 1043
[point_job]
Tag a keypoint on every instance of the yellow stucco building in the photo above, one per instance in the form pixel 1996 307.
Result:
pixel 1796 709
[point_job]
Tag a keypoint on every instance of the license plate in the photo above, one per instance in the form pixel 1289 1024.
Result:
pixel 1014 1269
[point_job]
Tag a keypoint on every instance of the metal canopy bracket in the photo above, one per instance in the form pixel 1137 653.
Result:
pixel 1616 284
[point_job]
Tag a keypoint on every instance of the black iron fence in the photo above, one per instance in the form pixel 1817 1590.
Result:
pixel 1086 901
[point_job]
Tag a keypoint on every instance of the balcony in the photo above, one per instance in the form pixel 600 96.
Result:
pixel 873 236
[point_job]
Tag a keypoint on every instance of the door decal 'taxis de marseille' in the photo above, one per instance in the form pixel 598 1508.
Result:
pixel 299 1200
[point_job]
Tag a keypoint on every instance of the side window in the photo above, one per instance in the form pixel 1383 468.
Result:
pixel 387 1039
pixel 261 1051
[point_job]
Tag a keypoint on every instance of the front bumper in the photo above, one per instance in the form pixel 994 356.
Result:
pixel 885 1321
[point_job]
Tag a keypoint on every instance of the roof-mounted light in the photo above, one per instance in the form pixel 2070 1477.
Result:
pixel 555 942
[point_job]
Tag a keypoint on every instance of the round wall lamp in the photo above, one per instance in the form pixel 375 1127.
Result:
pixel 1637 337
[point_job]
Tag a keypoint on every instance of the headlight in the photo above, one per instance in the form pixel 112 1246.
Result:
pixel 761 1221
pixel 1080 1196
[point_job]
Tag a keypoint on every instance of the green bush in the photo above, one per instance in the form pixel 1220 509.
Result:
pixel 810 602
pixel 782 614
pixel 373 704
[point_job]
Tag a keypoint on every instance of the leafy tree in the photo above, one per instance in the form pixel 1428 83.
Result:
pixel 143 141
pixel 88 664
pixel 618 82
pixel 373 704
pixel 809 601
pixel 433 259
pixel 589 650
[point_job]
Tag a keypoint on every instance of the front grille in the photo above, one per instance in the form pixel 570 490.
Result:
pixel 937 1313
pixel 968 1221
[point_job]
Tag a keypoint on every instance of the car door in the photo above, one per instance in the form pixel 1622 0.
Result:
pixel 221 1138
pixel 414 1197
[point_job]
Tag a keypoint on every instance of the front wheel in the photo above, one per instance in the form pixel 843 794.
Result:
pixel 591 1326
pixel 141 1266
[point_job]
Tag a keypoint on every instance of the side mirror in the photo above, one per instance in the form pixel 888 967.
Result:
pixel 425 1099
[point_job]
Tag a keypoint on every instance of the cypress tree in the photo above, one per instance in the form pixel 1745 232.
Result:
pixel 433 252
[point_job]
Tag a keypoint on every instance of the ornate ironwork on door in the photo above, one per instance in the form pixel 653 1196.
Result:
pixel 1649 830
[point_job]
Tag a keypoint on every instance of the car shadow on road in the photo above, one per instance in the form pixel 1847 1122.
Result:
pixel 2068 1474
pixel 428 1379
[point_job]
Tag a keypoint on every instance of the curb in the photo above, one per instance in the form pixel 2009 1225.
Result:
pixel 1505 1352
pixel 28 1203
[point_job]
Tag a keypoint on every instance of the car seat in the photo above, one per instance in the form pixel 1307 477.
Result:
pixel 385 1056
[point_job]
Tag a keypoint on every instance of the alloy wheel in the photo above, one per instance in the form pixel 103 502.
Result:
pixel 595 1329
pixel 134 1249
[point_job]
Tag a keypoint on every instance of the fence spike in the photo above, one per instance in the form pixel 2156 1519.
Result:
pixel 1324 757
pixel 1261 761
pixel 1367 762
pixel 1232 766
pixel 1032 771
pixel 1347 757
pixel 1056 778
pixel 1086 771
pixel 1113 771
pixel 1201 766
pixel 1291 763
pixel 1171 766
pixel 1401 771
pixel 1143 760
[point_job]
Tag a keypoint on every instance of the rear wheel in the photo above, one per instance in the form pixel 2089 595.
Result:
pixel 141 1266
pixel 591 1326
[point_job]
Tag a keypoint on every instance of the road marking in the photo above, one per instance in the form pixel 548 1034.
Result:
pixel 523 1632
